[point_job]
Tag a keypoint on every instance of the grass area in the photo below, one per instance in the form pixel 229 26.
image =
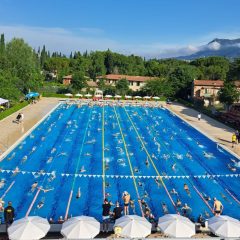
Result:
pixel 13 109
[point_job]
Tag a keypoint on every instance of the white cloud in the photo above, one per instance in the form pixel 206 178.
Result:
pixel 67 40
pixel 214 46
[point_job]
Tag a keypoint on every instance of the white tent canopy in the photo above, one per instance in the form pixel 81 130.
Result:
pixel 224 226
pixel 88 95
pixel 175 225
pixel 108 96
pixel 68 95
pixel 156 98
pixel 137 97
pixel 117 96
pixel 133 226
pixel 128 97
pixel 146 97
pixel 78 95
pixel 3 101
pixel 28 228
pixel 81 227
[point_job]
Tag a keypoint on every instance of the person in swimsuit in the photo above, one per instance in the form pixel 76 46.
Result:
pixel 186 188
pixel 186 210
pixel 165 208
pixel 217 207
pixel 33 187
pixel 126 199
pixel 178 203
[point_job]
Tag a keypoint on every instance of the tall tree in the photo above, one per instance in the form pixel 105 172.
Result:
pixel 78 81
pixel 122 86
pixel 2 44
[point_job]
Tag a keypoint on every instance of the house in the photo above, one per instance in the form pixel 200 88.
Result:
pixel 135 82
pixel 208 89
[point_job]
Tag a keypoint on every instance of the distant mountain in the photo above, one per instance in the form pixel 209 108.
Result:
pixel 217 47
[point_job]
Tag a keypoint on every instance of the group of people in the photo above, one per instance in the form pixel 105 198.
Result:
pixel 6 213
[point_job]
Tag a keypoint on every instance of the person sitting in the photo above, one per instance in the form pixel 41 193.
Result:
pixel 117 211
pixel 201 220
pixel 51 221
pixel 165 208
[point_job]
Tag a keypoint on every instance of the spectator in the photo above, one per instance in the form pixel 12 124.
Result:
pixel 1 210
pixel 199 116
pixel 201 220
pixel 106 214
pixel 9 214
pixel 234 139
pixel 60 220
pixel 117 211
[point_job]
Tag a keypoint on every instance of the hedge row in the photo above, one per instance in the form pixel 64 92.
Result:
pixel 13 109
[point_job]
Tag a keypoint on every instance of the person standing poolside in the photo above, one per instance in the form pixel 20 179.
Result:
pixel 126 199
pixel 9 214
pixel 234 139
pixel 217 207
pixel 199 116
pixel 106 214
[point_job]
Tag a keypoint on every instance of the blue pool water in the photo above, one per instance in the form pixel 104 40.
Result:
pixel 104 151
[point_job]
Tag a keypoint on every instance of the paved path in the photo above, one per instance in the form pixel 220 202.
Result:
pixel 10 132
pixel 220 132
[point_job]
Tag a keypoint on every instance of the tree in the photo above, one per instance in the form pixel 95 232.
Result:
pixel 234 72
pixel 78 81
pixel 122 86
pixel 21 62
pixel 158 87
pixel 228 94
pixel 2 44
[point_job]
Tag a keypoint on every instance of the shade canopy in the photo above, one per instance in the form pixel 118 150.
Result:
pixel 28 228
pixel 133 226
pixel 146 97
pixel 78 95
pixel 32 95
pixel 175 225
pixel 117 96
pixel 68 95
pixel 156 98
pixel 137 97
pixel 88 95
pixel 224 226
pixel 3 101
pixel 108 96
pixel 81 227
pixel 128 96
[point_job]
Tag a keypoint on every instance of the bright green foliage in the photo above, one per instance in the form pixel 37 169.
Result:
pixel 122 87
pixel 78 81
pixel 229 94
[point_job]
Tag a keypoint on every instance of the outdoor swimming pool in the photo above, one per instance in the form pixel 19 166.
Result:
pixel 97 151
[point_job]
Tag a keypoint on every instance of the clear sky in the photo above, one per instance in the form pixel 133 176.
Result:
pixel 146 27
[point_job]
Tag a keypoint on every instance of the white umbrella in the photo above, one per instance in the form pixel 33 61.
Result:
pixel 128 96
pixel 68 94
pixel 137 97
pixel 81 227
pixel 28 228
pixel 117 96
pixel 146 97
pixel 156 98
pixel 224 226
pixel 108 96
pixel 175 225
pixel 88 95
pixel 78 95
pixel 133 226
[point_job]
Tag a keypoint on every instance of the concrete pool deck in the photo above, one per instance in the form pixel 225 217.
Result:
pixel 33 113
pixel 218 131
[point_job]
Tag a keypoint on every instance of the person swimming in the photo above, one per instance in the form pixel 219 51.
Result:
pixel 232 168
pixel 15 171
pixel 178 203
pixel 41 203
pixel 53 150
pixel 78 193
pixel 157 181
pixel 33 149
pixel 2 183
pixel 186 188
pixel 52 177
pixel 49 159
pixel 147 162
pixel 24 159
pixel 82 170
pixel 45 190
pixel 164 208
pixel 87 154
pixel 34 186
pixel 174 192
pixel 174 167
pixel 136 170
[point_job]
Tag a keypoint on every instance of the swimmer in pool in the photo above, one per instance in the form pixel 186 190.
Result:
pixel 147 162
pixel 34 186
pixel 12 156
pixel 45 190
pixel 174 192
pixel 53 150
pixel 82 170
pixel 78 193
pixel 40 204
pixel 174 167
pixel 232 168
pixel 52 177
pixel 15 171
pixel 2 183
pixel 88 154
pixel 189 156
pixel 107 184
pixel 136 170
pixel 178 203
pixel 164 208
pixel 24 159
pixel 186 188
